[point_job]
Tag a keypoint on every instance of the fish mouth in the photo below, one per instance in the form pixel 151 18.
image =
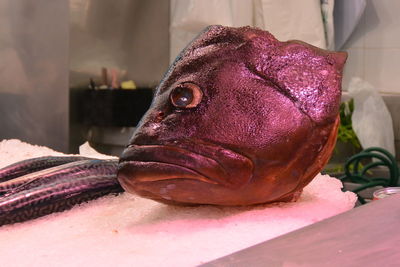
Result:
pixel 199 161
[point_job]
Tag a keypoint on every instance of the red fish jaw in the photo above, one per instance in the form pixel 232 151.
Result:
pixel 211 164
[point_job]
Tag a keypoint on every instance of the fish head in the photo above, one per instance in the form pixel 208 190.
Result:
pixel 239 118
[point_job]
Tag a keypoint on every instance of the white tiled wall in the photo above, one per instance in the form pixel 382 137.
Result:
pixel 374 47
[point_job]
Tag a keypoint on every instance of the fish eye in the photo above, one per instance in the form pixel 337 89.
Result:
pixel 186 95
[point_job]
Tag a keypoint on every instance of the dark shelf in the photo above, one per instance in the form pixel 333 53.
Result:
pixel 109 108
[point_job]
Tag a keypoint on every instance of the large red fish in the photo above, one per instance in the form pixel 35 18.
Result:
pixel 240 118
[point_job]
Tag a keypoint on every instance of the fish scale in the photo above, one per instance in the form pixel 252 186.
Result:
pixel 70 170
pixel 54 197
pixel 35 164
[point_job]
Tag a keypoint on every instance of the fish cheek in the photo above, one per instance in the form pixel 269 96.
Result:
pixel 279 164
pixel 249 115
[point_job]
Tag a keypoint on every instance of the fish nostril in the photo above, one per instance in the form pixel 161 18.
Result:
pixel 159 116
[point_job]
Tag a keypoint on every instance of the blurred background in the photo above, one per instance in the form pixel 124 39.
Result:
pixel 78 70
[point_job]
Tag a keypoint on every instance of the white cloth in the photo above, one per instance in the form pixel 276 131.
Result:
pixel 286 20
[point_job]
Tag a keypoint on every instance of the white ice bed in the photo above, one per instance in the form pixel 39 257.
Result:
pixel 131 231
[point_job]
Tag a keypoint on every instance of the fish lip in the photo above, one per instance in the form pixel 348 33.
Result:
pixel 203 161
pixel 143 189
pixel 181 173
